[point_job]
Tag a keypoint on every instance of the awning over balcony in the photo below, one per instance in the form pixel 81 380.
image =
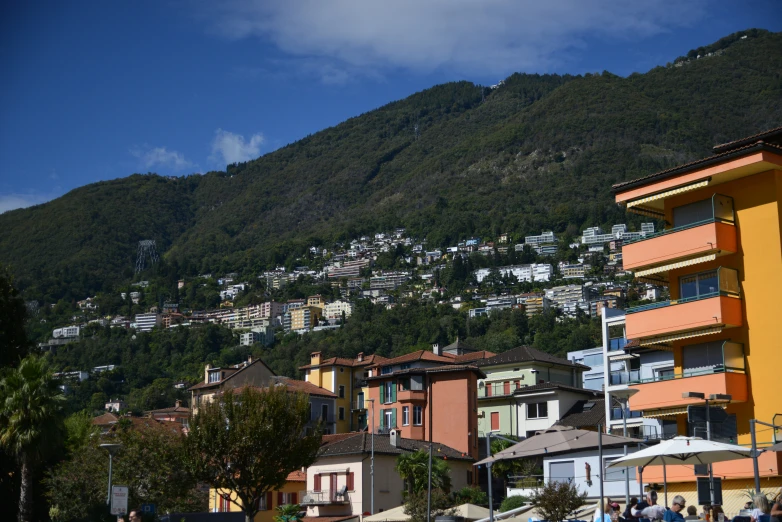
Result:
pixel 666 194
pixel 680 336
pixel 679 264
pixel 665 412
pixel 622 357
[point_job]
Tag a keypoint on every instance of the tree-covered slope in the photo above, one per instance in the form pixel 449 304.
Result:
pixel 454 160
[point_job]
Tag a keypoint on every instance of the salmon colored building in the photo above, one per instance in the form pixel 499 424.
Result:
pixel 721 257
pixel 426 396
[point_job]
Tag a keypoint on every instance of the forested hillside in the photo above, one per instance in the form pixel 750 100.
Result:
pixel 539 152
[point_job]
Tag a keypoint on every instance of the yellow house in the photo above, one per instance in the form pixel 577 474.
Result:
pixel 305 317
pixel 347 379
pixel 316 300
pixel 291 493
pixel 721 257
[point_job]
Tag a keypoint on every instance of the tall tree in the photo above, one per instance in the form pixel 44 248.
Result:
pixel 31 421
pixel 246 444
pixel 414 469
pixel 13 314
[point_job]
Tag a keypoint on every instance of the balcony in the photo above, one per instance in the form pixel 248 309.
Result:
pixel 715 235
pixel 616 343
pixel 665 390
pixel 359 405
pixel 410 395
pixel 323 498
pixel 496 389
pixel 713 305
pixel 623 377
pixel 383 430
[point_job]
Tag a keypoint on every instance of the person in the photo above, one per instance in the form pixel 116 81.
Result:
pixel 776 509
pixel 692 513
pixel 761 508
pixel 674 514
pixel 134 516
pixel 649 509
pixel 627 515
pixel 716 511
pixel 603 511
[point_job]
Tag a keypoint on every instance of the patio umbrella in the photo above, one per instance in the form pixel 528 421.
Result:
pixel 683 450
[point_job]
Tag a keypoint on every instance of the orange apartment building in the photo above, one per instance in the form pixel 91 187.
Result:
pixel 721 257
pixel 427 396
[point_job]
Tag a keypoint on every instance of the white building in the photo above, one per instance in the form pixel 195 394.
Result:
pixel 333 311
pixel 263 335
pixel 65 332
pixel 146 322
pixel 525 273
pixel 544 237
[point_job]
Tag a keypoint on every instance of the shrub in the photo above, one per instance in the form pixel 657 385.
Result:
pixel 516 501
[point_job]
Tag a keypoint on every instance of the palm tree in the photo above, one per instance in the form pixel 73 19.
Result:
pixel 414 468
pixel 31 421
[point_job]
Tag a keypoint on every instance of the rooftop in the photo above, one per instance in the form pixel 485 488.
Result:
pixel 523 354
pixel 586 413
pixel 556 386
pixel 359 443
pixel 436 369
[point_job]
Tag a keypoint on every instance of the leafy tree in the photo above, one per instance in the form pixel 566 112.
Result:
pixel 31 422
pixel 288 513
pixel 516 501
pixel 416 505
pixel 556 501
pixel 246 444
pixel 149 462
pixel 471 495
pixel 13 315
pixel 414 469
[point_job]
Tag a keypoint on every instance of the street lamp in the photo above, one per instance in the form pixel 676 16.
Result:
pixel 624 395
pixel 714 397
pixel 372 462
pixel 489 435
pixel 112 449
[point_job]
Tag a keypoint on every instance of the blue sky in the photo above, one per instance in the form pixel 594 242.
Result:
pixel 99 90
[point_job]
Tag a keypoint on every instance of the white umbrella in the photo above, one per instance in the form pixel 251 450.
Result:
pixel 683 450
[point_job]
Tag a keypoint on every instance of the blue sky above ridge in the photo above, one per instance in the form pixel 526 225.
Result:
pixel 94 91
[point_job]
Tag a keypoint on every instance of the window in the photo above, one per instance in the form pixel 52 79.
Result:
pixel 405 384
pixel 406 416
pixel 614 474
pixel 417 382
pixel 404 366
pixel 324 412
pixel 342 392
pixel 562 471
pixel 595 359
pixel 388 419
pixel 350 482
pixel 341 413
pixel 418 415
pixel 531 433
pixel 283 499
pixel 702 357
pixel 214 376
pixel 537 410
pixel 389 388
pixel 495 421
pixel 698 285
pixel 594 383
pixel 663 374
pixel 225 504
pixel 265 502
pixel 385 370
pixel 692 213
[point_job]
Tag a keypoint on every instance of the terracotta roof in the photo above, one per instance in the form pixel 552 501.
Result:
pixel 703 162
pixel 296 476
pixel 474 356
pixel 556 386
pixel 171 409
pixel 361 442
pixel 306 387
pixel 104 419
pixel 420 355
pixel 528 354
pixel 435 369
pixel 585 414
pixel 771 136
pixel 344 361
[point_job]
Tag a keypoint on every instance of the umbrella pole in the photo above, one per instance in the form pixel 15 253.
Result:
pixel 602 467
pixel 665 484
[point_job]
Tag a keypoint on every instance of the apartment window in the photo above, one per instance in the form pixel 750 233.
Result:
pixel 342 392
pixel 283 499
pixel 388 419
pixel 594 383
pixel 537 410
pixel 663 374
pixel 324 412
pixel 404 366
pixel 418 415
pixel 385 370
pixel 692 213
pixel 698 285
pixel 593 360
pixel 562 471
pixel 405 415
pixel 225 504
pixel 341 413
pixel 495 421
pixel 390 392
pixel 265 502
pixel 214 376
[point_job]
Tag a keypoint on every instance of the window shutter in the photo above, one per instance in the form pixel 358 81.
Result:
pixel 268 500
pixel 488 389
pixel 382 393
pixel 393 418
pixel 317 482
pixel 393 391
pixel 495 421
pixel 506 386
pixel 279 498
pixel 294 499
pixel 350 481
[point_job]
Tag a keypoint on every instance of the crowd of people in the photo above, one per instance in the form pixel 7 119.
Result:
pixel 760 509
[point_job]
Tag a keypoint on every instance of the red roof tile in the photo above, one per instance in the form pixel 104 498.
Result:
pixel 296 476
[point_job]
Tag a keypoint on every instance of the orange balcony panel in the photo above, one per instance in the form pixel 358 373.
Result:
pixel 719 238
pixel 769 465
pixel 682 317
pixel 410 395
pixel 668 393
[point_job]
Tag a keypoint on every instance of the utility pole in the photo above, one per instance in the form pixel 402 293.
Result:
pixel 372 462
pixel 489 435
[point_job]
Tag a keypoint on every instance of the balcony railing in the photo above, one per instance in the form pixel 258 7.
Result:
pixel 383 430
pixel 323 497
pixel 327 419
pixel 616 414
pixel 617 343
pixel 359 383
pixel 727 285
pixel 497 389
pixel 624 377
pixel 360 405
pixel 721 212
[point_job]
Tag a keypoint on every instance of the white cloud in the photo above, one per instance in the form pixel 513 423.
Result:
pixel 150 157
pixel 471 36
pixel 17 200
pixel 228 147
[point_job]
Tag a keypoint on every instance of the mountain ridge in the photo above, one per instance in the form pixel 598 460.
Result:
pixel 457 159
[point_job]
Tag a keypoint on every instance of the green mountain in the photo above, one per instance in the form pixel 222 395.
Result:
pixel 539 152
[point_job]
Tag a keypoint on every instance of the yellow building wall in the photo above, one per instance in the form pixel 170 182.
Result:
pixel 759 264
pixel 734 492
pixel 262 516
pixel 343 376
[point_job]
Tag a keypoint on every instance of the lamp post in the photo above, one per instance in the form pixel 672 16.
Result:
pixel 721 397
pixel 372 463
pixel 112 449
pixel 624 396
pixel 489 435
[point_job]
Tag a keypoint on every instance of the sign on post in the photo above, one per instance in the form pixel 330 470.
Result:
pixel 119 500
pixel 148 508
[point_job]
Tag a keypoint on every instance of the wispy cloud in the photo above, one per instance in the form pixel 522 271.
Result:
pixel 470 36
pixel 228 147
pixel 13 201
pixel 155 157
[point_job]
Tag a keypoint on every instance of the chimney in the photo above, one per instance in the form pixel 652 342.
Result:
pixel 436 349
pixel 249 360
pixel 315 358
pixel 392 437
pixel 178 403
pixel 360 356
pixel 206 372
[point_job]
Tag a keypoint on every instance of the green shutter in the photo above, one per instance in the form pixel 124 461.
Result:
pixel 382 418
pixel 382 393
pixel 393 418
pixel 393 392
